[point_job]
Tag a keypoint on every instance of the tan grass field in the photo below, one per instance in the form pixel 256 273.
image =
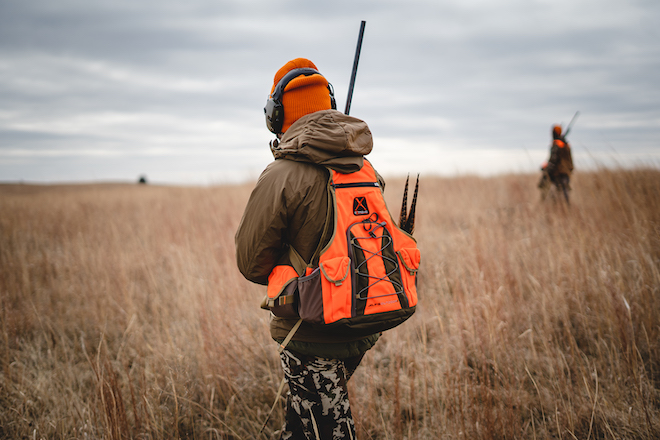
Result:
pixel 123 315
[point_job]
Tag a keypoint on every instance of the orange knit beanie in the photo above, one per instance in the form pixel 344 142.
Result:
pixel 304 94
pixel 556 130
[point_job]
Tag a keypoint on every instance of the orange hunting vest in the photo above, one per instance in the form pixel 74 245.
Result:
pixel 366 277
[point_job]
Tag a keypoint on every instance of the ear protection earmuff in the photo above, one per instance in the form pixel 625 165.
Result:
pixel 274 109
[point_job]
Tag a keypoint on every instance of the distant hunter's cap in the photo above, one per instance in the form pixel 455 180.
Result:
pixel 304 94
pixel 556 130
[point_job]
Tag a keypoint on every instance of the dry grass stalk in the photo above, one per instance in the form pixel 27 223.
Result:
pixel 123 315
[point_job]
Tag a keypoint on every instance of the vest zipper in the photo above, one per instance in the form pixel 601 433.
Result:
pixel 356 185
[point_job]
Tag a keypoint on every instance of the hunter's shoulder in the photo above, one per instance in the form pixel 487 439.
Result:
pixel 288 176
pixel 291 170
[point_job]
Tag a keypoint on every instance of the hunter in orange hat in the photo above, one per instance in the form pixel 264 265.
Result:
pixel 287 221
pixel 560 163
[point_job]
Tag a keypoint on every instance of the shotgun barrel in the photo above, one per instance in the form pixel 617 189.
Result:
pixel 570 124
pixel 355 66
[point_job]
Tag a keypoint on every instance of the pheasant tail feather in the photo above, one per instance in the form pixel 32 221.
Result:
pixel 407 220
pixel 404 206
pixel 410 222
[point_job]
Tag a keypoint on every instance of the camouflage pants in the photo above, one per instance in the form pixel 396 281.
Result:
pixel 317 402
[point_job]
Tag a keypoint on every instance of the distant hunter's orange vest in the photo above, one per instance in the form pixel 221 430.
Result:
pixel 367 274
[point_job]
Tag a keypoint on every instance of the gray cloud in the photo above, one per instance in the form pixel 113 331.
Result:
pixel 111 90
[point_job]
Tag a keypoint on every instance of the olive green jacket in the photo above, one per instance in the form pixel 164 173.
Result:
pixel 290 204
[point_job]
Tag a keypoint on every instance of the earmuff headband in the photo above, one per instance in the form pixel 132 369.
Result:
pixel 274 110
pixel 290 75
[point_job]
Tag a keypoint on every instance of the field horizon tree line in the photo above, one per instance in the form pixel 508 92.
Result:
pixel 124 316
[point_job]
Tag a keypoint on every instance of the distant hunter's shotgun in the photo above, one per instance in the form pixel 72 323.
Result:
pixel 570 124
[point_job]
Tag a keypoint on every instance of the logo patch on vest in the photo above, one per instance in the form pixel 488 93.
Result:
pixel 360 206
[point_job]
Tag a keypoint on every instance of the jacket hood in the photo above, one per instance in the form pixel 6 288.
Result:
pixel 329 138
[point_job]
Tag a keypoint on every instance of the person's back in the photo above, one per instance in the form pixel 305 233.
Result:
pixel 561 160
pixel 285 220
pixel 560 163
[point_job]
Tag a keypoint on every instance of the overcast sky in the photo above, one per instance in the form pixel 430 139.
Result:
pixel 114 89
